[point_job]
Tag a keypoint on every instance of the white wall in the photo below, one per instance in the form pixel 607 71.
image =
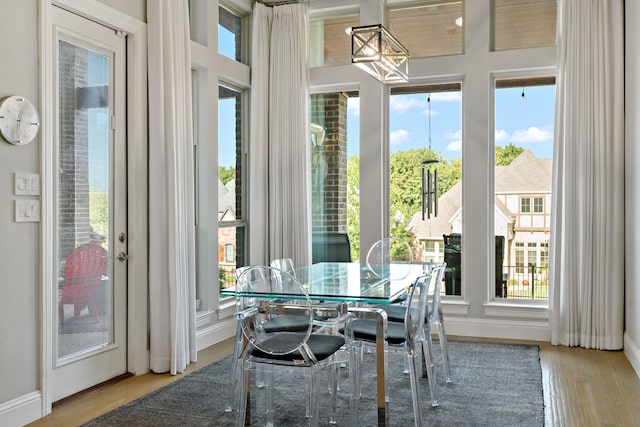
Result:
pixel 632 184
pixel 19 242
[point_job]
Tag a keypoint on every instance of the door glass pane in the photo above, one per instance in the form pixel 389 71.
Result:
pixel 335 176
pixel 425 125
pixel 84 201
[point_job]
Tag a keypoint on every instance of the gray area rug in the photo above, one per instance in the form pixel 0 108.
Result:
pixel 494 385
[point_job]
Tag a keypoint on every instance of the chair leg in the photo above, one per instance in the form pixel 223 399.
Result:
pixel 445 351
pixel 314 382
pixel 241 397
pixel 235 375
pixel 415 389
pixel 430 367
pixel 95 310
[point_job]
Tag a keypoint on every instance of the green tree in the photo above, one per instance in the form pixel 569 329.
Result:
pixel 506 154
pixel 226 174
pixel 99 212
pixel 353 205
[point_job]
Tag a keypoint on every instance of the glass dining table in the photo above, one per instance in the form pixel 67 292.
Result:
pixel 351 282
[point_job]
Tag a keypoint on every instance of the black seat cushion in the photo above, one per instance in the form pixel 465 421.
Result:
pixel 395 313
pixel 322 346
pixel 287 323
pixel 365 329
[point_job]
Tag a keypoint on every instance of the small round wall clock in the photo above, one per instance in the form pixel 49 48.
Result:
pixel 19 121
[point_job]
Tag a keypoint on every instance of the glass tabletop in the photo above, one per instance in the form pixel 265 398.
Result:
pixel 349 281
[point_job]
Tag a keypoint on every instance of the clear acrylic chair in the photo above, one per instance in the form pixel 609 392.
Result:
pixel 284 264
pixel 406 336
pixel 396 313
pixel 260 303
pixel 390 257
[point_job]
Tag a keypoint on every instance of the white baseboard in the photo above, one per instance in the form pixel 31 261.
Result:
pixel 498 328
pixel 215 333
pixel 632 352
pixel 22 410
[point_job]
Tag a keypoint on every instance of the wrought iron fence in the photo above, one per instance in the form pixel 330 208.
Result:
pixel 227 275
pixel 524 282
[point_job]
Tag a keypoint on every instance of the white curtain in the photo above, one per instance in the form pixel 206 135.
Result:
pixel 280 137
pixel 171 184
pixel 587 233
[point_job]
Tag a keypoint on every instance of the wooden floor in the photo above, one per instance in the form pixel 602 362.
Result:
pixel 582 388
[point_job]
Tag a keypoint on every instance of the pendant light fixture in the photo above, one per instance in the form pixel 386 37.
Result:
pixel 375 50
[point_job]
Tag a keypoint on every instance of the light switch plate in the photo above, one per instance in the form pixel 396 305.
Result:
pixel 26 184
pixel 27 210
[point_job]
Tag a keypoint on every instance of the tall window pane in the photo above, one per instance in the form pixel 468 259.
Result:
pixel 431 28
pixel 524 115
pixel 335 171
pixel 231 220
pixel 425 123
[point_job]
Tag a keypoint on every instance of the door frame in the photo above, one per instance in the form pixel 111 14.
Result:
pixel 137 206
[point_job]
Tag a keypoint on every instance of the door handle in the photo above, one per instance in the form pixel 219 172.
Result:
pixel 122 257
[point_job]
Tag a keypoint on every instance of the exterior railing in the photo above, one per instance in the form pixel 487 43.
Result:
pixel 524 282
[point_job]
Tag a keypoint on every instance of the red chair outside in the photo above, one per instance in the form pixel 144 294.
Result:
pixel 84 269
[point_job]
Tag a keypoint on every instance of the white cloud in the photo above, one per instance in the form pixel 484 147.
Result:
pixel 454 145
pixel 501 135
pixel 446 96
pixel 457 134
pixel 533 134
pixel 404 103
pixel 353 106
pixel 398 136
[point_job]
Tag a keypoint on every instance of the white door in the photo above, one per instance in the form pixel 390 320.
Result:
pixel 90 204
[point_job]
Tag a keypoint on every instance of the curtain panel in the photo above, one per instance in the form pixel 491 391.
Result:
pixel 587 232
pixel 171 189
pixel 280 139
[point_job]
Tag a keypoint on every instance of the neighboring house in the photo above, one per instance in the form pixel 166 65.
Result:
pixel 227 236
pixel 521 216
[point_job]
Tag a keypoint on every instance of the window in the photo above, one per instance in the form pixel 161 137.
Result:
pixel 329 44
pixel 229 34
pixel 519 257
pixel 532 253
pixel 518 24
pixel 231 220
pixel 432 28
pixel 524 116
pixel 228 253
pixel 424 124
pixel 538 205
pixel 335 165
pixel 544 255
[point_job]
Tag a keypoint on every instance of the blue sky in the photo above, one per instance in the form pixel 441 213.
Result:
pixel 526 123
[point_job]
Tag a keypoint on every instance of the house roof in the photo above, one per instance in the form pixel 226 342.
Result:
pixel 525 174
